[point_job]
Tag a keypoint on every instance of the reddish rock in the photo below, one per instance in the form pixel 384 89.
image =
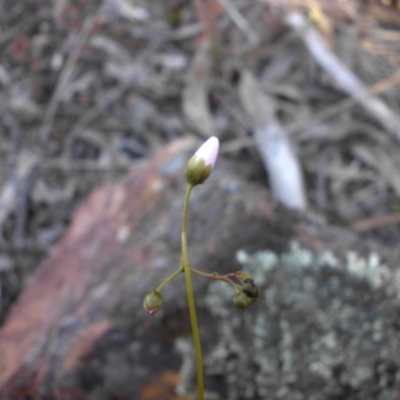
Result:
pixel 80 315
pixel 78 330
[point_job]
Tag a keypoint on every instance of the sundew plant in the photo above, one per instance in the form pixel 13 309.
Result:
pixel 197 171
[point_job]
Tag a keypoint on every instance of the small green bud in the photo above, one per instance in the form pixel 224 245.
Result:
pixel 196 171
pixel 250 289
pixel 200 165
pixel 152 302
pixel 244 276
pixel 243 301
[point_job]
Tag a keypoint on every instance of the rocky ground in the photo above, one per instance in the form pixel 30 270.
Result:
pixel 91 91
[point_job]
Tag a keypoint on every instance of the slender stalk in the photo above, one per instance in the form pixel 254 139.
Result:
pixel 190 294
pixel 169 279
pixel 214 276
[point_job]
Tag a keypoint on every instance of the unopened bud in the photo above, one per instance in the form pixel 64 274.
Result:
pixel 200 165
pixel 243 301
pixel 250 289
pixel 244 276
pixel 152 302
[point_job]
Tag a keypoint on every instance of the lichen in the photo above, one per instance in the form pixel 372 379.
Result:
pixel 324 328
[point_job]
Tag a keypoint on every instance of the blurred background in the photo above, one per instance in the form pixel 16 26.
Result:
pixel 303 93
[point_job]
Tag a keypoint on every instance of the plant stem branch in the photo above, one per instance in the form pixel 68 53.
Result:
pixel 190 294
pixel 216 277
pixel 169 279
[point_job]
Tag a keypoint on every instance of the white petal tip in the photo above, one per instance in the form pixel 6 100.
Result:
pixel 208 151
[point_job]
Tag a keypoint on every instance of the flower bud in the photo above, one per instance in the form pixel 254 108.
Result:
pixel 243 301
pixel 200 165
pixel 152 302
pixel 244 276
pixel 250 289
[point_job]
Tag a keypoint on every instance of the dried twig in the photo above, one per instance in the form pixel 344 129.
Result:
pixel 274 145
pixel 195 95
pixel 368 224
pixel 346 104
pixel 65 164
pixel 15 191
pixel 65 77
pixel 109 98
pixel 240 22
pixel 342 76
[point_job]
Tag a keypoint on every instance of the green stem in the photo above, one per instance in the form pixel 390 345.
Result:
pixel 216 277
pixel 169 279
pixel 190 294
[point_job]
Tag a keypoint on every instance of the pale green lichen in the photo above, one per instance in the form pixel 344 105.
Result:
pixel 258 264
pixel 369 269
pixel 323 328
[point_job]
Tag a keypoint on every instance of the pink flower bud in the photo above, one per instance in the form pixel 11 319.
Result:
pixel 208 151
pixel 200 165
pixel 152 302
